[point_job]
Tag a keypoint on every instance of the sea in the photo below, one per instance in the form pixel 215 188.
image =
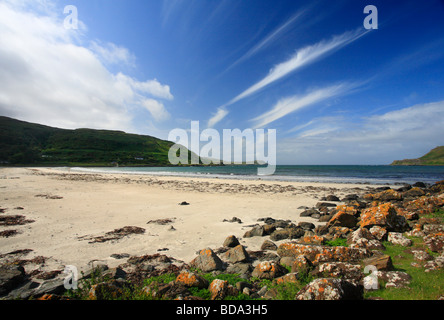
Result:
pixel 361 174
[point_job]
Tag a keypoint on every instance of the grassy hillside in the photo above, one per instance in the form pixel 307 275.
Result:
pixel 23 143
pixel 434 157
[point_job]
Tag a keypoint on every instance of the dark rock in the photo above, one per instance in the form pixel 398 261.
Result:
pixel 237 254
pixel 234 220
pixel 184 203
pixel 268 245
pixel 207 261
pixel 330 289
pixel 231 242
pixel 268 270
pixel 349 197
pixel 420 184
pixel 287 233
pixel 309 212
pixel 332 198
pixel 325 204
pixel 11 276
pixel 307 225
pixel 257 231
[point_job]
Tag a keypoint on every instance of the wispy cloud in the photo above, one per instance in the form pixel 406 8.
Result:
pixel 291 104
pixel 271 37
pixel 218 116
pixel 298 60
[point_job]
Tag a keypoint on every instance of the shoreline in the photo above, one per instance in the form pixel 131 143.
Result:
pixel 70 210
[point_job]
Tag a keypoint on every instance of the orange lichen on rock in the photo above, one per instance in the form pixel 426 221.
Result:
pixel 190 279
pixel 425 204
pixel 378 216
pixel 344 217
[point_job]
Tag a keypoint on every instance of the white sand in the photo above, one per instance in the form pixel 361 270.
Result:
pixel 94 204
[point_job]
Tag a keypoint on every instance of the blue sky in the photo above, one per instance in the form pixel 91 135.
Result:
pixel 335 92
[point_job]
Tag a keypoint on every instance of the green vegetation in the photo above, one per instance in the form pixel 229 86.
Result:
pixel 23 143
pixel 339 242
pixel 434 158
pixel 424 285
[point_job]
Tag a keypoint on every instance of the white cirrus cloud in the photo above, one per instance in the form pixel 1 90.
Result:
pixel 301 58
pixel 47 76
pixel 294 103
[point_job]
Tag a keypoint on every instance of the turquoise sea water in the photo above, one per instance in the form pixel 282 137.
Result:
pixel 315 173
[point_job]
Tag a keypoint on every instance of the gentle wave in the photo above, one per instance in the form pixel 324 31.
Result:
pixel 321 174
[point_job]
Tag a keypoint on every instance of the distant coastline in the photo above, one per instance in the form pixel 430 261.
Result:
pixel 434 158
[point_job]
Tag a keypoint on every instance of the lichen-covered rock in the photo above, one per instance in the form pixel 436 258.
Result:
pixel 330 289
pixel 384 215
pixel 268 270
pixel 301 264
pixel 237 254
pixel 219 289
pixel 312 239
pixel 435 241
pixel 413 193
pixel 386 195
pixel 318 254
pixel 425 204
pixel 191 279
pixel 231 241
pixel 287 233
pixel 269 245
pixel 207 261
pixel 105 291
pixel 343 270
pixel 399 239
pixel 379 233
pixel 394 279
pixel 344 217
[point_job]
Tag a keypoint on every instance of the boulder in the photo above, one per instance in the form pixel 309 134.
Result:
pixel 399 239
pixel 105 291
pixel 317 254
pixel 207 261
pixel 306 225
pixel 424 204
pixel 382 262
pixel 344 217
pixel 414 192
pixel 237 254
pixel 435 241
pixel 269 245
pixel 379 233
pixel 343 270
pixel 191 279
pixel 394 279
pixel 268 270
pixel 386 195
pixel 287 233
pixel 309 212
pixel 256 231
pixel 11 276
pixel 231 242
pixel 384 215
pixel 330 289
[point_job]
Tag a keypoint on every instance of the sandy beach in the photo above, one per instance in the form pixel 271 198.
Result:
pixel 66 216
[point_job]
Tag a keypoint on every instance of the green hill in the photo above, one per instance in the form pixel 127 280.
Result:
pixel 23 143
pixel 434 158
